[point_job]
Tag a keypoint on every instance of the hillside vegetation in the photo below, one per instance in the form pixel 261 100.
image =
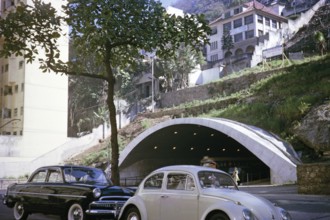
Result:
pixel 277 104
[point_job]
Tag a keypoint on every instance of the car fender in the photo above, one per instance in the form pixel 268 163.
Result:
pixel 232 210
pixel 137 202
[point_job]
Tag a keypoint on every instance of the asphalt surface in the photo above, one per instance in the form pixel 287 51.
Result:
pixel 301 207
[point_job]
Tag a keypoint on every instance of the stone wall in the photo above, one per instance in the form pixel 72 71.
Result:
pixel 314 178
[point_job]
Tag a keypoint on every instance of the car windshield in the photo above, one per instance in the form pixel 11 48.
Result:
pixel 85 175
pixel 209 179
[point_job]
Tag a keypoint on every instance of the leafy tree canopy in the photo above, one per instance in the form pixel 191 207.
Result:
pixel 112 31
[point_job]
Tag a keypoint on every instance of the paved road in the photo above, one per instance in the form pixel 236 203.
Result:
pixel 301 207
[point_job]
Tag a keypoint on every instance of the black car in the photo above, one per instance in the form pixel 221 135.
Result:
pixel 72 192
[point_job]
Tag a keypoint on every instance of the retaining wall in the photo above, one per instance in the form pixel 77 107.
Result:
pixel 314 178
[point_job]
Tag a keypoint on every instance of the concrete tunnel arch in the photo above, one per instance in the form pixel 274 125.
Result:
pixel 278 155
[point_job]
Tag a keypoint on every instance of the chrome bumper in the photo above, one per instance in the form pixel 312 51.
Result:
pixel 106 208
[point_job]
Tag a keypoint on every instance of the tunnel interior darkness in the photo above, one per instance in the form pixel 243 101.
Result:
pixel 188 144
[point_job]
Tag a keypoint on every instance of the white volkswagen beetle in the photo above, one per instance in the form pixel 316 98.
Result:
pixel 196 193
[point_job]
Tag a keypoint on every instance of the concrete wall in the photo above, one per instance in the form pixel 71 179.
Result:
pixel 304 18
pixel 314 178
pixel 19 166
pixel 210 90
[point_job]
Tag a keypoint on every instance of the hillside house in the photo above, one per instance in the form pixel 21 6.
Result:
pixel 253 27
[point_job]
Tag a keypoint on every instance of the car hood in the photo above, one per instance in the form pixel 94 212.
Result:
pixel 261 207
pixel 109 190
pixel 117 191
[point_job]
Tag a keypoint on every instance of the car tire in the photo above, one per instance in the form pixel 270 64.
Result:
pixel 132 214
pixel 76 212
pixel 19 211
pixel 219 216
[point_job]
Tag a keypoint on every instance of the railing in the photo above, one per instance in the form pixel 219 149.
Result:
pixel 131 181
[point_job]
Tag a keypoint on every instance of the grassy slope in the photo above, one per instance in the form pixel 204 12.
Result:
pixel 280 102
pixel 275 104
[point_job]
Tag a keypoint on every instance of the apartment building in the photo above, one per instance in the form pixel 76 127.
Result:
pixel 249 26
pixel 33 105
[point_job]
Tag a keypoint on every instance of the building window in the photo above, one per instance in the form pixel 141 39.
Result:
pixel 237 10
pixel 8 90
pixel 15 133
pixel 15 112
pixel 214 45
pixel 274 24
pixel 214 31
pixel 227 14
pixel 7 113
pixel 21 132
pixel 260 19
pixel 238 37
pixel 267 21
pixel 22 87
pixel 260 33
pixel 16 88
pixel 227 27
pixel 248 19
pixel 214 57
pixel 6 68
pixel 21 64
pixel 249 34
pixel 22 110
pixel 238 23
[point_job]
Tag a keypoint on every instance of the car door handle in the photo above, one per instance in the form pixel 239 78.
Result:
pixel 164 196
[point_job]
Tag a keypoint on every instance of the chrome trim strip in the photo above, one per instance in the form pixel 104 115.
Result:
pixel 47 194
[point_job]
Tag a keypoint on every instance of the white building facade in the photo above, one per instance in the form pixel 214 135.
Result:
pixel 34 105
pixel 250 26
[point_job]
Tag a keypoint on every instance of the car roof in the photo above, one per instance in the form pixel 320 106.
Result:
pixel 67 166
pixel 189 168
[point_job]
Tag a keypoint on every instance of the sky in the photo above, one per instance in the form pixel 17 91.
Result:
pixel 167 2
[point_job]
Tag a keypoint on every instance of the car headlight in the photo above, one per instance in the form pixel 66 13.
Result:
pixel 285 215
pixel 247 214
pixel 96 193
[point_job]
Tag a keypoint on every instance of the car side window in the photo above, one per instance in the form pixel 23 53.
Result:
pixel 154 182
pixel 180 181
pixel 39 177
pixel 55 176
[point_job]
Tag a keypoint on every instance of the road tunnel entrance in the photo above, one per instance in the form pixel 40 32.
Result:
pixel 187 141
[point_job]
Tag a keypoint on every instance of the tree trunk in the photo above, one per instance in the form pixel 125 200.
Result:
pixel 112 116
pixel 114 135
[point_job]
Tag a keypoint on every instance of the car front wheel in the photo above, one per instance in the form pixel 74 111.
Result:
pixel 19 211
pixel 219 216
pixel 132 214
pixel 76 212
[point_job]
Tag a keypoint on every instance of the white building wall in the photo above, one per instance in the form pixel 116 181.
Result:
pixel 45 104
pixel 19 166
pixel 304 18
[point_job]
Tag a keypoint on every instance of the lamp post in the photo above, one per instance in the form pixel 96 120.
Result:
pixel 151 55
pixel 152 84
